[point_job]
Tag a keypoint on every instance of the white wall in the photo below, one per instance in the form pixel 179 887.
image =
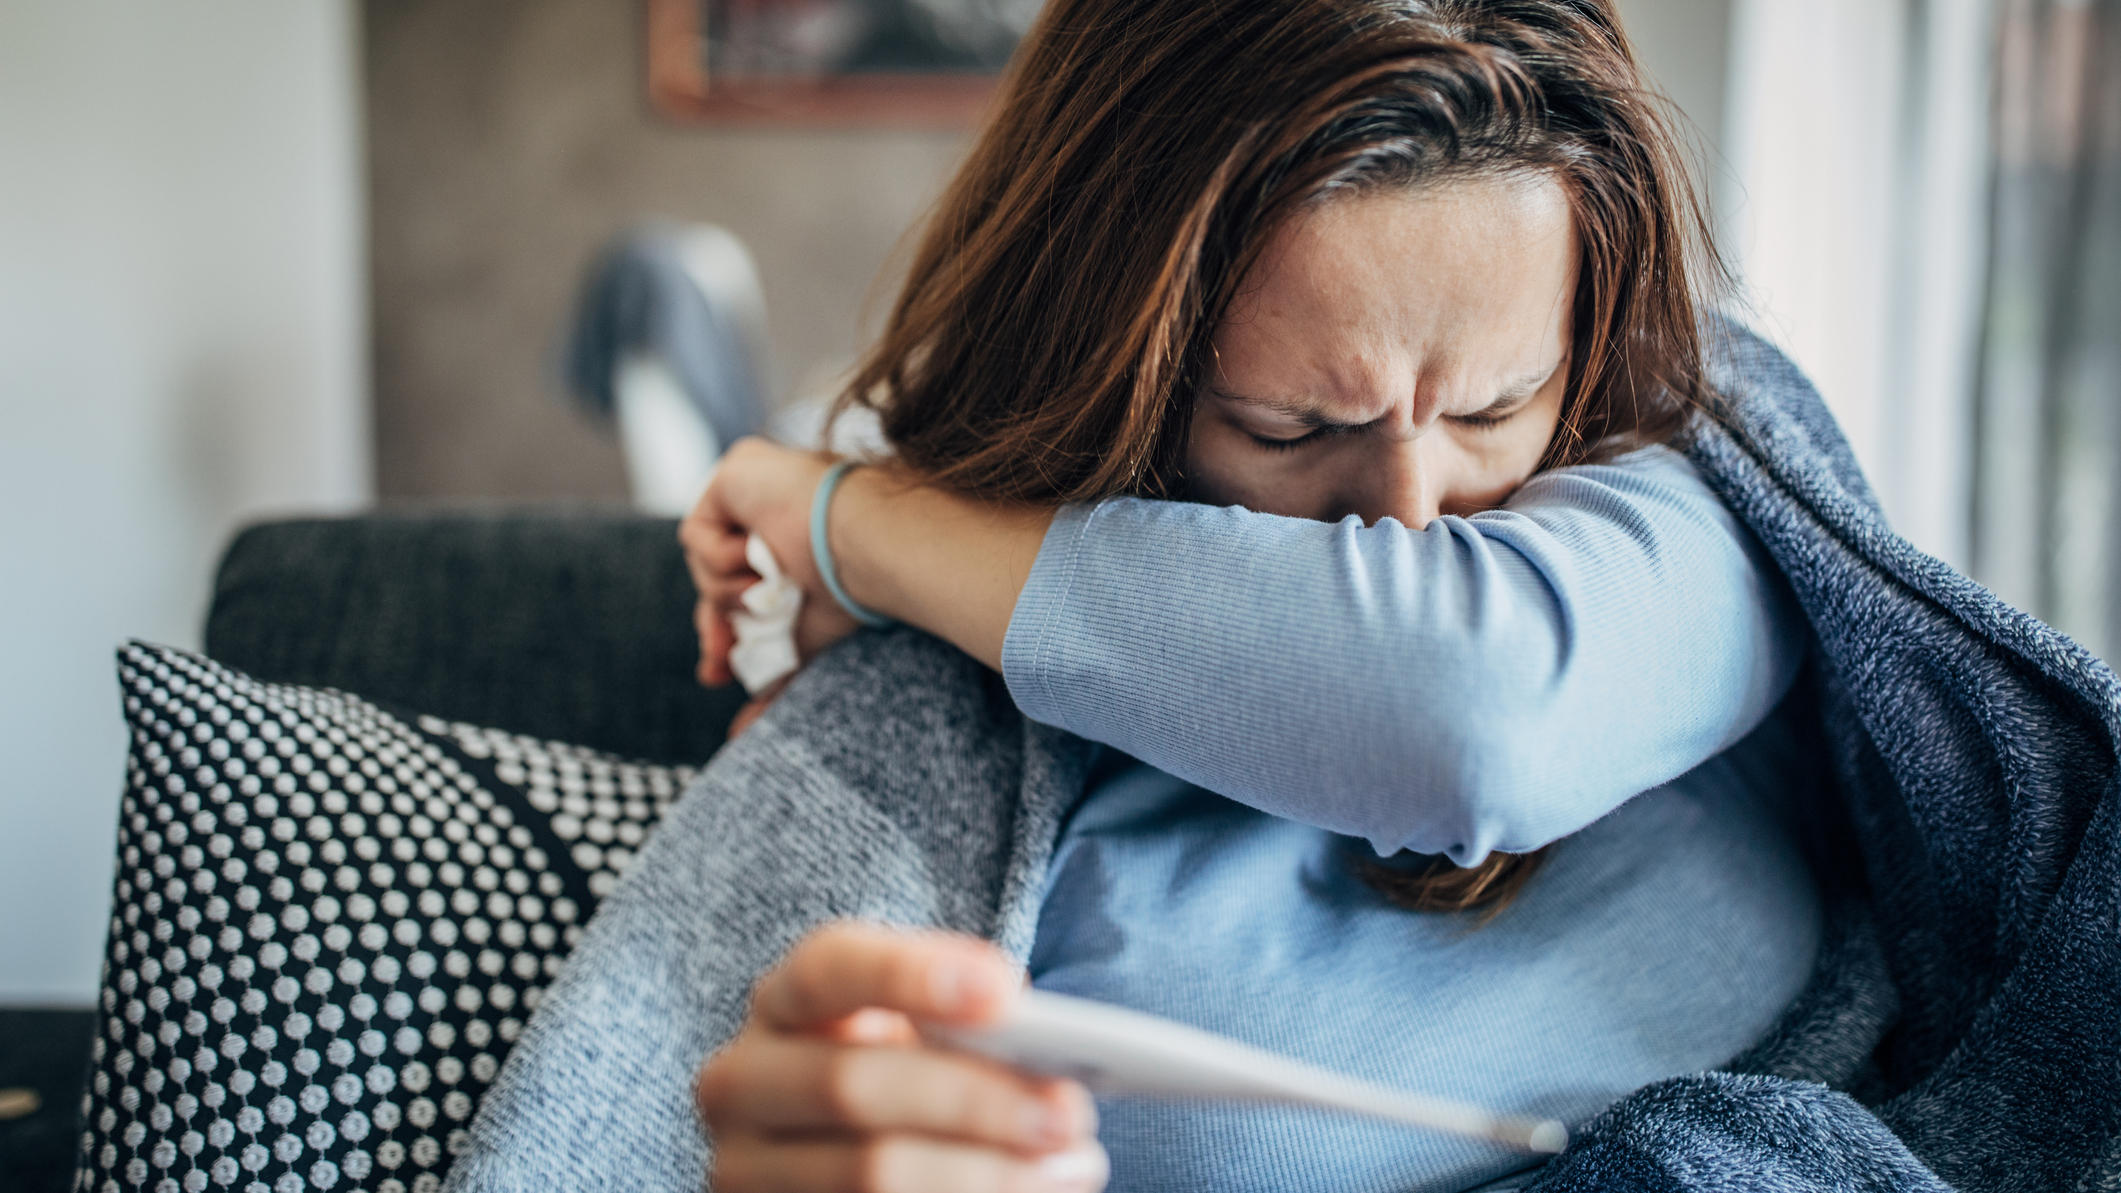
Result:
pixel 1815 93
pixel 1856 132
pixel 182 346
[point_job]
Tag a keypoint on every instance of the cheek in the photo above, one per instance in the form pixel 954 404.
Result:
pixel 1522 445
pixel 1214 463
pixel 1541 423
pixel 1500 460
pixel 1486 482
pixel 1516 447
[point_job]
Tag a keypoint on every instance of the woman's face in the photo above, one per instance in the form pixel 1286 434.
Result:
pixel 1399 353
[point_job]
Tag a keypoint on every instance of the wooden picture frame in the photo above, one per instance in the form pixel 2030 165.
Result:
pixel 697 74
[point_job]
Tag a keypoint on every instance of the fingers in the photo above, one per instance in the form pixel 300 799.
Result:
pixel 717 639
pixel 723 552
pixel 715 554
pixel 871 1025
pixel 712 542
pixel 707 519
pixel 829 1085
pixel 726 590
pixel 770 1083
pixel 715 560
pixel 752 710
pixel 898 1164
pixel 844 967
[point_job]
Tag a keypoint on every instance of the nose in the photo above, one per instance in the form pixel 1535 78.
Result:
pixel 1400 479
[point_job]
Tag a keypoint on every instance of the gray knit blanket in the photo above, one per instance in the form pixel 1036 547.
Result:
pixel 1963 1029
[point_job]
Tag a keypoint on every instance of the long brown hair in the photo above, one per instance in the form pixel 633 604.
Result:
pixel 1056 319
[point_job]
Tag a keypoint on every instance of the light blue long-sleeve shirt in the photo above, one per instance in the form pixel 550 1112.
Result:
pixel 1664 939
pixel 1493 682
pixel 1489 682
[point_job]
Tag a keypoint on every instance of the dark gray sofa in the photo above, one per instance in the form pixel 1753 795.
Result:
pixel 572 623
pixel 569 624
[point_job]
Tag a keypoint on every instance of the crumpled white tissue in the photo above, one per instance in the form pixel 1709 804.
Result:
pixel 764 653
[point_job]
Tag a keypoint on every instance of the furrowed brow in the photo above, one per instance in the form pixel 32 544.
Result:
pixel 1296 410
pixel 1308 414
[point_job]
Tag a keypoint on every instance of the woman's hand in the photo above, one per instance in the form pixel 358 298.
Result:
pixel 760 488
pixel 829 1087
pixel 939 561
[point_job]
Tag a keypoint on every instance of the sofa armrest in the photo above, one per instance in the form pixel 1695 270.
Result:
pixel 569 623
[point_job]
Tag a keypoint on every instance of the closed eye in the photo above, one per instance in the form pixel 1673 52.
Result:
pixel 1489 418
pixel 1321 431
pixel 1285 445
pixel 1484 420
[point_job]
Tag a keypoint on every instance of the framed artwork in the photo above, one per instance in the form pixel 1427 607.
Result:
pixel 829 61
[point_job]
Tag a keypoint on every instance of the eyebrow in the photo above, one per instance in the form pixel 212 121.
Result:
pixel 1308 413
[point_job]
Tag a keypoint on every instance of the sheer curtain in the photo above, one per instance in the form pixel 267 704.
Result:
pixel 1854 202
pixel 2046 494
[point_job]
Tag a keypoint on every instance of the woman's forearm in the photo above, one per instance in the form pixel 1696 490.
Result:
pixel 1493 683
pixel 951 565
pixel 1486 683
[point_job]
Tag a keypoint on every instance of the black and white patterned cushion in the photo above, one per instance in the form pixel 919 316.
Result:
pixel 330 922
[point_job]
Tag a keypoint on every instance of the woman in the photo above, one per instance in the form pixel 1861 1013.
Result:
pixel 1281 398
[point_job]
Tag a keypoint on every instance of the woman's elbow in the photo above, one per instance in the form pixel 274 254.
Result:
pixel 1492 785
pixel 1464 734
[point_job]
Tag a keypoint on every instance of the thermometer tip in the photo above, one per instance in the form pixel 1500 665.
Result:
pixel 1549 1137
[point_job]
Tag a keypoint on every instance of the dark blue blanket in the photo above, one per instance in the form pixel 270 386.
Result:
pixel 1965 1029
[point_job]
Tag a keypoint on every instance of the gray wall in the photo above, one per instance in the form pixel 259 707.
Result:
pixel 509 138
pixel 1685 46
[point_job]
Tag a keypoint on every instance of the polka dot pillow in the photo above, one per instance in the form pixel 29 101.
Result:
pixel 330 922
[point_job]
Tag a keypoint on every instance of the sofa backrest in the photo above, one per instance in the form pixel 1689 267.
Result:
pixel 569 623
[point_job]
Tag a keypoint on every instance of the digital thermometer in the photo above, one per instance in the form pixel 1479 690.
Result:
pixel 1112 1050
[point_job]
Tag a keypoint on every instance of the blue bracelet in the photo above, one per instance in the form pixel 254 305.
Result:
pixel 821 550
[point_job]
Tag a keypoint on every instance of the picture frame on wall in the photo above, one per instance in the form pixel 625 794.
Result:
pixel 859 62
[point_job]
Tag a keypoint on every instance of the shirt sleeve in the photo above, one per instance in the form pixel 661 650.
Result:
pixel 1492 682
